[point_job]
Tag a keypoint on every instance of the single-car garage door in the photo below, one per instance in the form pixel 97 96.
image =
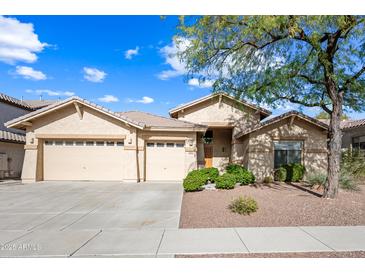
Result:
pixel 165 161
pixel 83 160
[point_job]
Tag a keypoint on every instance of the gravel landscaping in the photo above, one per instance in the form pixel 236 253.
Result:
pixel 354 254
pixel 278 205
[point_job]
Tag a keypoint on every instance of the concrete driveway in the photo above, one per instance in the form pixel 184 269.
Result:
pixel 89 205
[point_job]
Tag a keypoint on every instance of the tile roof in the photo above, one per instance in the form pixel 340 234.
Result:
pixel 70 99
pixel 156 121
pixel 13 101
pixel 40 103
pixel 279 118
pixel 347 124
pixel 202 99
pixel 12 137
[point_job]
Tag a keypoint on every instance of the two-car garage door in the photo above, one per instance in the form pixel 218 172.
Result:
pixel 83 160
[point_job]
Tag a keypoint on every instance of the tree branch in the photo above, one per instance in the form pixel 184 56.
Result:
pixel 311 80
pixel 352 79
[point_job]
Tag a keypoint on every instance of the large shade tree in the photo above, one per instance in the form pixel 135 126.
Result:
pixel 313 61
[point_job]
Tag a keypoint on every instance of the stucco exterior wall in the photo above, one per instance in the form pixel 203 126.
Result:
pixel 15 154
pixel 213 112
pixel 221 148
pixel 261 149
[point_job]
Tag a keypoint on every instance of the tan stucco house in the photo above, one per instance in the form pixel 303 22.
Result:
pixel 75 139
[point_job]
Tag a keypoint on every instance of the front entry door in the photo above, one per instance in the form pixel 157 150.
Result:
pixel 208 155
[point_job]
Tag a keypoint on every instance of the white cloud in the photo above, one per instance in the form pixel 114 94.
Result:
pixel 202 84
pixel 169 52
pixel 108 99
pixel 94 75
pixel 30 73
pixel 18 42
pixel 50 92
pixel 144 100
pixel 130 53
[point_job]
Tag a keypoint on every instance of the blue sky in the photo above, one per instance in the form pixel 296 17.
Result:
pixel 121 62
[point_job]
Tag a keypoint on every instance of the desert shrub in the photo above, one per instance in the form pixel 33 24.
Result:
pixel 243 205
pixel 348 182
pixel 225 181
pixel 280 174
pixel 294 172
pixel 353 163
pixel 268 180
pixel 317 179
pixel 242 174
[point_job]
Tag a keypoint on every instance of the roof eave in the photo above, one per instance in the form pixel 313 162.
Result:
pixel 18 121
pixel 197 101
pixel 318 124
pixel 179 129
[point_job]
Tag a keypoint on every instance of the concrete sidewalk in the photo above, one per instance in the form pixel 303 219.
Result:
pixel 169 242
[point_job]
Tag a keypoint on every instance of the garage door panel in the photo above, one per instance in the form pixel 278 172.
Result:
pixel 165 161
pixel 81 162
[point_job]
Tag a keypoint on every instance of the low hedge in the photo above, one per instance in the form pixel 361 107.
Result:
pixel 242 174
pixel 234 168
pixel 226 181
pixel 280 174
pixel 294 172
pixel 196 179
pixel 211 173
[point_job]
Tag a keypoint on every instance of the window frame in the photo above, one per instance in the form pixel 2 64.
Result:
pixel 287 155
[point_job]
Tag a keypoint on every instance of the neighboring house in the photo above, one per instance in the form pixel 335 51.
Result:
pixel 353 133
pixel 78 140
pixel 12 140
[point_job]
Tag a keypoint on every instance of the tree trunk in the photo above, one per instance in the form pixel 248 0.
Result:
pixel 334 151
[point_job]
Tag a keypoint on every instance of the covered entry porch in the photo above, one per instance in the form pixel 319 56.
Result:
pixel 215 147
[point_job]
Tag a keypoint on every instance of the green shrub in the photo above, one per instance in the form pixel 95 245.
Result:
pixel 294 172
pixel 225 181
pixel 317 179
pixel 243 205
pixel 234 168
pixel 194 182
pixel 196 179
pixel 243 176
pixel 347 182
pixel 280 174
pixel 268 180
pixel 211 173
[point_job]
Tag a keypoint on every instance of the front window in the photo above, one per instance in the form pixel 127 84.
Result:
pixel 358 142
pixel 287 152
